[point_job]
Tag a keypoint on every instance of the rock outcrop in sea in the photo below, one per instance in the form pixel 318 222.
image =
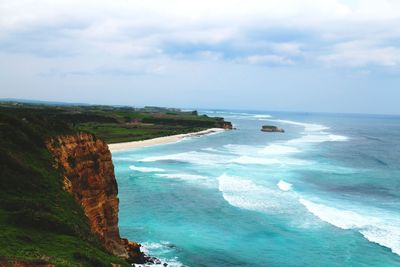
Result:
pixel 271 128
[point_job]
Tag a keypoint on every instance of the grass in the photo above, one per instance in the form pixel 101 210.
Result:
pixel 39 221
pixel 115 133
pixel 120 124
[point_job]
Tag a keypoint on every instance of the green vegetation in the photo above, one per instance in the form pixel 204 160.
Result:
pixel 122 124
pixel 39 221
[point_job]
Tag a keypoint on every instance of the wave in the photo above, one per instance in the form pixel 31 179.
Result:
pixel 192 157
pixel 269 161
pixel 183 176
pixel 159 250
pixel 284 186
pixel 314 133
pixel 274 154
pixel 309 127
pixel 245 194
pixel 273 149
pixel 276 149
pixel 123 159
pixel 250 114
pixel 241 149
pixel 262 116
pixel 145 169
pixel 210 149
pixel 242 115
pixel 242 193
pixel 318 138
pixel 381 229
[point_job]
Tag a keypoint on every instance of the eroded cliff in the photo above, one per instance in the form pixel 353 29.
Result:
pixel 86 164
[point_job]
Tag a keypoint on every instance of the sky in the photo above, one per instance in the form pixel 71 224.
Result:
pixel 284 55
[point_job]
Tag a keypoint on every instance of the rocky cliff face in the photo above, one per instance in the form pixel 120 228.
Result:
pixel 221 123
pixel 86 164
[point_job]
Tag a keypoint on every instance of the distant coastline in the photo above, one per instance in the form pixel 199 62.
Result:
pixel 160 140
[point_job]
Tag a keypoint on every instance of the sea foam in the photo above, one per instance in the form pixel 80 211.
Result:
pixel 183 176
pixel 160 249
pixel 193 157
pixel 245 194
pixel 284 186
pixel 276 149
pixel 309 127
pixel 273 149
pixel 269 161
pixel 379 228
pixel 318 138
pixel 260 116
pixel 145 169
pixel 313 133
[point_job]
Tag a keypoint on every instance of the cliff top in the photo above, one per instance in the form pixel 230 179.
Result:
pixel 39 221
pixel 119 124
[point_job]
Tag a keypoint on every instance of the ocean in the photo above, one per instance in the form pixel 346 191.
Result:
pixel 324 193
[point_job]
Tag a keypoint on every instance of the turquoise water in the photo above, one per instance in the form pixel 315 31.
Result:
pixel 324 193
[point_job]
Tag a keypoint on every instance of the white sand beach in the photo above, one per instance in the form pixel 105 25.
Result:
pixel 160 140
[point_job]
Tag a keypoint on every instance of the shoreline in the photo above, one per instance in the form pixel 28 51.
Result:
pixel 160 140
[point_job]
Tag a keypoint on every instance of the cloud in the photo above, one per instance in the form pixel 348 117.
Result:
pixel 293 48
pixel 269 60
pixel 363 53
pixel 274 32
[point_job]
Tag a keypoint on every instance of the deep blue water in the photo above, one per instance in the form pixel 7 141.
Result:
pixel 324 193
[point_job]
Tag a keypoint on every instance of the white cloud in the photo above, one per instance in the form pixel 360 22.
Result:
pixel 273 31
pixel 290 48
pixel 362 53
pixel 269 60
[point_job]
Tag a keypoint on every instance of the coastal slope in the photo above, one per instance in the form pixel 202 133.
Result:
pixel 58 192
pixel 41 223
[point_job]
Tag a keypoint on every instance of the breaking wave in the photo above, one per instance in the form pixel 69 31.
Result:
pixel 269 161
pixel 276 149
pixel 262 116
pixel 379 229
pixel 309 127
pixel 191 178
pixel 245 194
pixel 145 169
pixel 161 250
pixel 313 133
pixel 284 186
pixel 193 157
pixel 318 138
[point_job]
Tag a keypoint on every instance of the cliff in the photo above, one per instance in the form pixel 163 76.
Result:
pixel 221 123
pixel 88 174
pixel 58 194
pixel 41 223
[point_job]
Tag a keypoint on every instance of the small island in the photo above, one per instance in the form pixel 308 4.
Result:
pixel 271 129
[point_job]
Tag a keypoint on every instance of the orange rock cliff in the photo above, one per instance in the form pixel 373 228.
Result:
pixel 86 164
